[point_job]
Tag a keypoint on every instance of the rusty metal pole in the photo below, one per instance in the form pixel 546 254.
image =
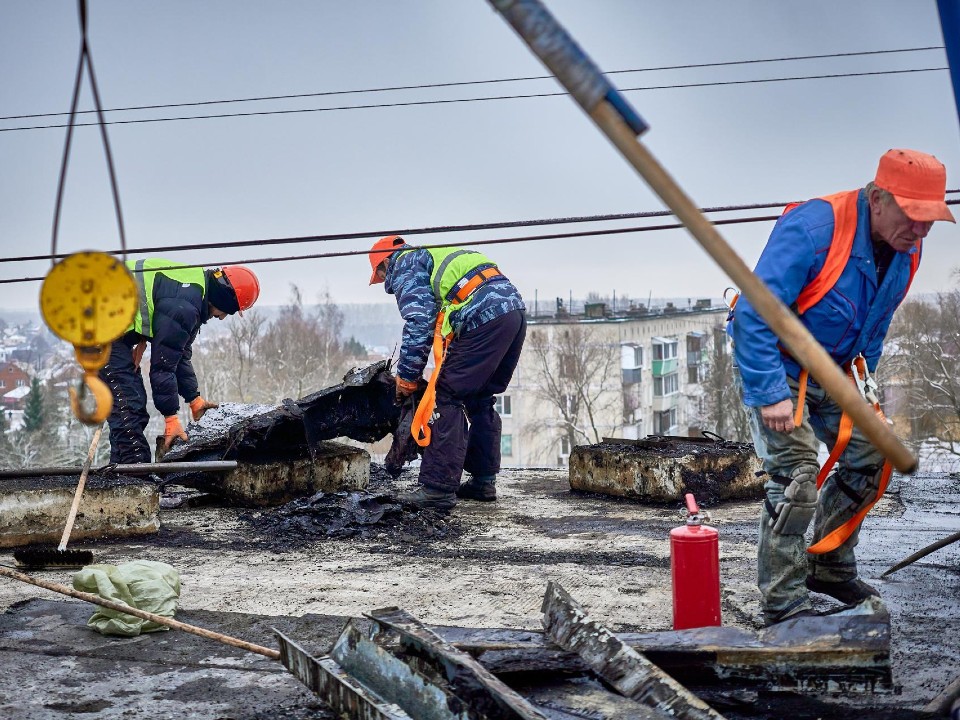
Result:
pixel 611 113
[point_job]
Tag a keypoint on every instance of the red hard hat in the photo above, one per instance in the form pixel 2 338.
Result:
pixel 381 250
pixel 245 285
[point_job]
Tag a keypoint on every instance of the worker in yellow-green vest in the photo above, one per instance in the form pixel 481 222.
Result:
pixel 462 297
pixel 174 301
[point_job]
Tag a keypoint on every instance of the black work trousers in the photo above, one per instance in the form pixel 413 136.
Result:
pixel 129 415
pixel 479 364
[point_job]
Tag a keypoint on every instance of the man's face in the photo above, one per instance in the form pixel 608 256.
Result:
pixel 889 223
pixel 217 312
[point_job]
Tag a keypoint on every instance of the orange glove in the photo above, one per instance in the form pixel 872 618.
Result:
pixel 138 353
pixel 173 430
pixel 198 406
pixel 405 388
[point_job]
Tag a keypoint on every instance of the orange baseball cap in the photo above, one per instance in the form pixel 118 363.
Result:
pixel 918 182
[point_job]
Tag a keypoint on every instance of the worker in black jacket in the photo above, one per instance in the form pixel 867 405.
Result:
pixel 174 301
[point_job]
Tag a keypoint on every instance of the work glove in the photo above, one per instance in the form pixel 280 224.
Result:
pixel 138 353
pixel 173 430
pixel 798 507
pixel 198 406
pixel 405 388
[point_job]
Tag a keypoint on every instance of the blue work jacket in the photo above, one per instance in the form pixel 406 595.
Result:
pixel 852 318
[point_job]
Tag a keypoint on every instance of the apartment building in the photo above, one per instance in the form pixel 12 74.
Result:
pixel 603 374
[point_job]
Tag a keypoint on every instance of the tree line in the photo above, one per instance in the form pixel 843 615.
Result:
pixel 301 350
pixel 252 359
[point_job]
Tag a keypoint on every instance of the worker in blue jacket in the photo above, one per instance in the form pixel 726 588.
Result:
pixel 843 263
pixel 483 313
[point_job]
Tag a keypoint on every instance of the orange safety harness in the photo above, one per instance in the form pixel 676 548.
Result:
pixel 858 372
pixel 420 429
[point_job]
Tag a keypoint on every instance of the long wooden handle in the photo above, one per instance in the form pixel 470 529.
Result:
pixel 121 607
pixel 922 553
pixel 798 340
pixel 72 515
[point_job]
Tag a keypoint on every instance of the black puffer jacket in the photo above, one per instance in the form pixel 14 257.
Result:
pixel 178 312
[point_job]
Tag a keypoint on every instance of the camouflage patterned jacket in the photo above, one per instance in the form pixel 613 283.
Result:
pixel 408 278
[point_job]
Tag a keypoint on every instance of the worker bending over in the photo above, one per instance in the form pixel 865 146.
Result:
pixel 483 315
pixel 843 263
pixel 174 301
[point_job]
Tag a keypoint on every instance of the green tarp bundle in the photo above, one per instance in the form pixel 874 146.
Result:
pixel 143 584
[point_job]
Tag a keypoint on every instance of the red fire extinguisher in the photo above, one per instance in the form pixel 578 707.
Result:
pixel 695 568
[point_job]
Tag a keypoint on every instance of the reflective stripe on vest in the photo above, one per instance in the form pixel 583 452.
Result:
pixel 450 266
pixel 145 273
pixel 844 205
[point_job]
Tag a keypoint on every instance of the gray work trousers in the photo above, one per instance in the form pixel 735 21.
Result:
pixel 783 562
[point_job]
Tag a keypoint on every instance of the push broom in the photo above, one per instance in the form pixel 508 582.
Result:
pixel 38 558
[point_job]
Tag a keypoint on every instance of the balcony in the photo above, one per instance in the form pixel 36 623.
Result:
pixel 665 402
pixel 664 367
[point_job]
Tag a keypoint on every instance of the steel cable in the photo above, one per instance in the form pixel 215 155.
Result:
pixel 429 86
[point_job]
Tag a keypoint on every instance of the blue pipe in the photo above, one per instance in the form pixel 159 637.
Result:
pixel 950 25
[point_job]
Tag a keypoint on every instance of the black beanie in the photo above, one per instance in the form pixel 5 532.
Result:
pixel 220 292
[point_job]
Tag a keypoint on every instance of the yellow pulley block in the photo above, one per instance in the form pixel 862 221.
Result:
pixel 89 299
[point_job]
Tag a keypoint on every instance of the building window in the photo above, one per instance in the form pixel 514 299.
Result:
pixel 693 373
pixel 695 342
pixel 568 366
pixel 664 349
pixel 663 421
pixel 631 356
pixel 20 382
pixel 506 445
pixel 3 383
pixel 666 385
pixel 565 446
pixel 501 403
pixel 631 362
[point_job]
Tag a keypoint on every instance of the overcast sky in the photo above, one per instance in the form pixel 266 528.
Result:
pixel 344 171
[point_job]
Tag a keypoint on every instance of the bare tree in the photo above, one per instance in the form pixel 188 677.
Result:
pixel 723 411
pixel 577 374
pixel 245 334
pixel 225 359
pixel 920 374
pixel 300 351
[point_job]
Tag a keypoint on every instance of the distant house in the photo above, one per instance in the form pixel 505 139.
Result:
pixel 15 399
pixel 12 376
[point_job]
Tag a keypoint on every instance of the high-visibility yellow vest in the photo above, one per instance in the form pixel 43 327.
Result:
pixel 450 267
pixel 145 273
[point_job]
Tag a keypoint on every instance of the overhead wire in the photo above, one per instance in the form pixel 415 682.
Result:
pixel 85 56
pixel 462 83
pixel 412 103
pixel 429 230
pixel 411 231
pixel 473 243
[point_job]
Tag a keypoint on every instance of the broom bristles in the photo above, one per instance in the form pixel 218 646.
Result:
pixel 38 558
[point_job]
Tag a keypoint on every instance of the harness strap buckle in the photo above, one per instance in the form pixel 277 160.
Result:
pixel 865 383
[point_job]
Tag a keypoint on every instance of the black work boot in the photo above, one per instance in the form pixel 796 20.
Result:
pixel 849 592
pixel 430 498
pixel 479 487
